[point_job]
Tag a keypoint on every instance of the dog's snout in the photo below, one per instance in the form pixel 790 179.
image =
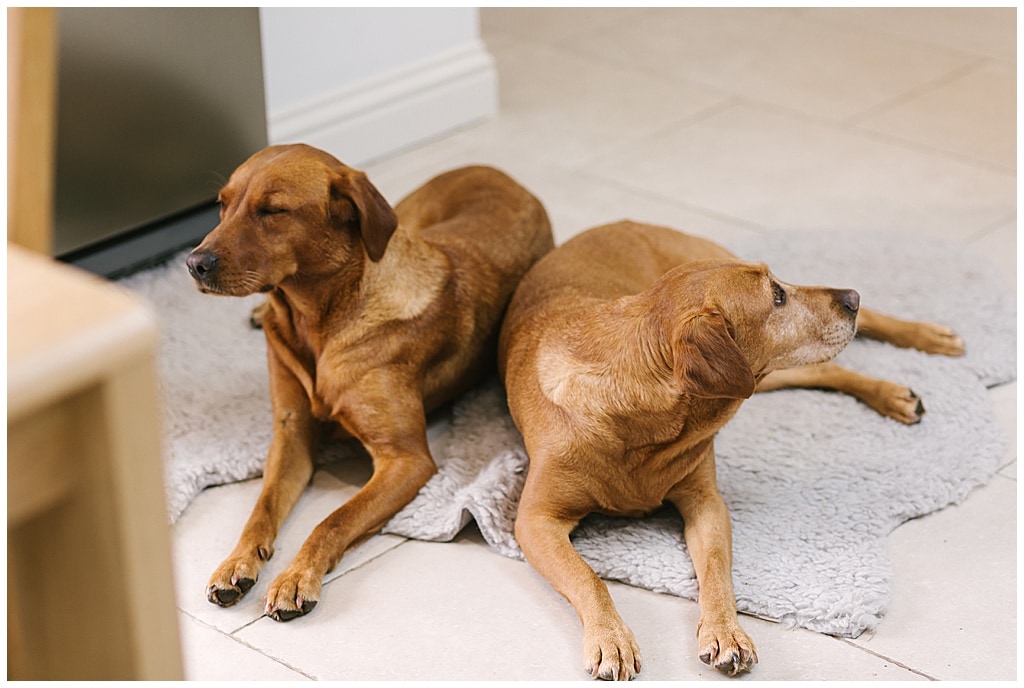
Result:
pixel 849 299
pixel 201 264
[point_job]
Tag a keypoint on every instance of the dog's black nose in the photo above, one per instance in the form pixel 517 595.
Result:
pixel 201 264
pixel 850 300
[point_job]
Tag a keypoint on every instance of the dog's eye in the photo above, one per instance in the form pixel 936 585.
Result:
pixel 779 294
pixel 265 212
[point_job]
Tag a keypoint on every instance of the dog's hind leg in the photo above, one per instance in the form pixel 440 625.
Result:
pixel 927 337
pixel 888 398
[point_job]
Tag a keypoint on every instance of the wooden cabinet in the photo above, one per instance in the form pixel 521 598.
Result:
pixel 89 578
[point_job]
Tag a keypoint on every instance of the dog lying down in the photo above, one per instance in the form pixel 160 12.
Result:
pixel 623 352
pixel 374 316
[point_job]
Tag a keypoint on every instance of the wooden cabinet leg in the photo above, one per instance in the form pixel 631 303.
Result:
pixel 90 577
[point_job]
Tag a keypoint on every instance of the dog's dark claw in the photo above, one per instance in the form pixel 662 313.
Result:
pixel 289 614
pixel 225 597
pixel 285 614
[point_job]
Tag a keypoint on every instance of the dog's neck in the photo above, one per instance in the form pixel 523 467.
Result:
pixel 362 293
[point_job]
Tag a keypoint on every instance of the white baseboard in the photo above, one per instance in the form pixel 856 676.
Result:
pixel 397 110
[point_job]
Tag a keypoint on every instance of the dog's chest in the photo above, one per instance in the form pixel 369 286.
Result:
pixel 640 480
pixel 660 453
pixel 296 354
pixel 326 386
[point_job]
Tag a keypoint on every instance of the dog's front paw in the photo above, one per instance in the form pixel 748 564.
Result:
pixel 292 594
pixel 938 339
pixel 258 314
pixel 236 576
pixel 611 653
pixel 898 402
pixel 726 647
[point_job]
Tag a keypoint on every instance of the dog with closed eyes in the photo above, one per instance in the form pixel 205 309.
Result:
pixel 374 316
pixel 623 352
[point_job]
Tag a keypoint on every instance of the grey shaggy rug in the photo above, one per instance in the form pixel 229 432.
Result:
pixel 814 481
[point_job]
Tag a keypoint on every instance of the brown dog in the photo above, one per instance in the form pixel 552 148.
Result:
pixel 375 316
pixel 623 352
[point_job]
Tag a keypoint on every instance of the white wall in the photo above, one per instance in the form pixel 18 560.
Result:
pixel 363 83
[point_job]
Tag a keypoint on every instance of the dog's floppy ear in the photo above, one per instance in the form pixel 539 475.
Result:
pixel 707 362
pixel 352 191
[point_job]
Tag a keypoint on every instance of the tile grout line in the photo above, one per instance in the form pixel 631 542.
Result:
pixel 848 124
pixel 909 40
pixel 248 624
pixel 924 149
pixel 682 205
pixel 901 665
pixel 375 557
pixel 231 636
pixel 727 103
pixel 915 92
pixel 992 227
pixel 558 42
pixel 837 126
pixel 840 126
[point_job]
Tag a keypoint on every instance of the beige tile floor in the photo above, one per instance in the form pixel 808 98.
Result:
pixel 722 122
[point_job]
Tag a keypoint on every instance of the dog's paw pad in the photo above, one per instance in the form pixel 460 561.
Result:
pixel 225 597
pixel 731 663
pixel 235 577
pixel 245 584
pixel 919 407
pixel 897 402
pixel 289 614
pixel 611 654
pixel 257 315
pixel 729 649
pixel 939 339
pixel 293 594
pixel 907 407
